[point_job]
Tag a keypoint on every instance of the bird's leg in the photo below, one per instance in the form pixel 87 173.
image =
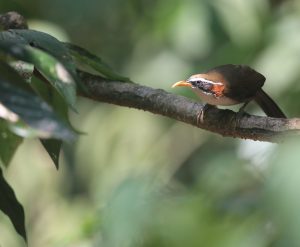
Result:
pixel 200 116
pixel 241 110
pixel 240 113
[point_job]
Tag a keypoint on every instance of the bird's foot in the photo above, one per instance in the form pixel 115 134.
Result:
pixel 200 116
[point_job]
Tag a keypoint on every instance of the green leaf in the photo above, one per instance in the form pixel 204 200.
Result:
pixel 53 147
pixel 18 103
pixel 11 37
pixel 54 99
pixel 44 42
pixel 86 58
pixel 52 46
pixel 51 96
pixel 56 74
pixel 10 206
pixel 13 76
pixel 57 68
pixel 9 143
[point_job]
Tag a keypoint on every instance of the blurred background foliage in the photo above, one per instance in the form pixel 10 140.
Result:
pixel 136 179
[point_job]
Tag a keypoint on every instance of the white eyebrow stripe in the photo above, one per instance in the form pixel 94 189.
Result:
pixel 204 80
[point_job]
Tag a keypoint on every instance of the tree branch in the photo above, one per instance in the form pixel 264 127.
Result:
pixel 157 101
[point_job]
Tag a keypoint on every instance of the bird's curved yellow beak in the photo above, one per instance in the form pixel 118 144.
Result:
pixel 181 84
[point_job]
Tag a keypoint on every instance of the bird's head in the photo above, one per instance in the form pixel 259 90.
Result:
pixel 200 82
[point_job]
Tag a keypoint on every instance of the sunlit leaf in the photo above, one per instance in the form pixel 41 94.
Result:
pixel 86 58
pixel 45 42
pixel 55 73
pixel 9 143
pixel 18 103
pixel 10 206
pixel 60 74
pixel 52 46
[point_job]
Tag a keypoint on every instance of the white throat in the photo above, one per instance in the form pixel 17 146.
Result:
pixel 213 100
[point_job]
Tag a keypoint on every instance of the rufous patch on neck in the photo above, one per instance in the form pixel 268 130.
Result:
pixel 218 89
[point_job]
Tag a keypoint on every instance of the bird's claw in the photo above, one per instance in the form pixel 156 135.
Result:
pixel 200 116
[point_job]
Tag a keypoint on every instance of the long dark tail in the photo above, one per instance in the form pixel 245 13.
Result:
pixel 268 105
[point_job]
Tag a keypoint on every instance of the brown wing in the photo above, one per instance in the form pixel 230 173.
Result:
pixel 245 81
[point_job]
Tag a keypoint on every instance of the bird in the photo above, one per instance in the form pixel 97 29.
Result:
pixel 232 84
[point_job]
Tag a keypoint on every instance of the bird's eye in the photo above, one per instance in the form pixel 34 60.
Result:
pixel 201 84
pixel 194 82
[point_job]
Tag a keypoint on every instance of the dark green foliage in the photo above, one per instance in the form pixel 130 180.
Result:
pixel 24 105
pixel 11 207
pixel 52 147
pixel 86 58
pixel 58 72
pixel 9 141
pixel 37 87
